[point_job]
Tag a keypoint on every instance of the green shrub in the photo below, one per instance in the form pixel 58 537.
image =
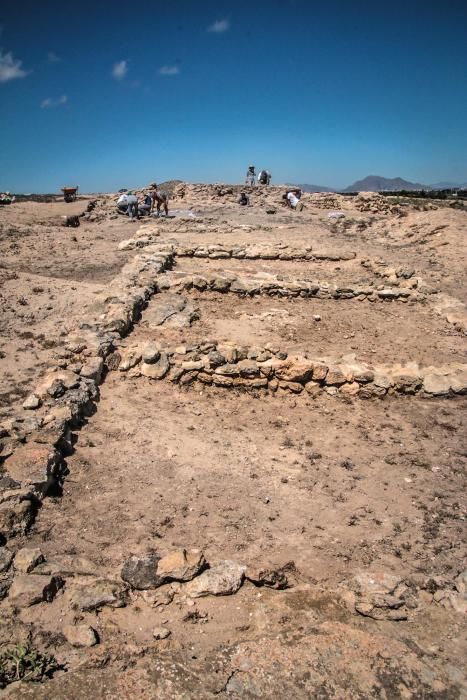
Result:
pixel 24 663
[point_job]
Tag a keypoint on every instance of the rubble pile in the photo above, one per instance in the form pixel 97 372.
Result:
pixel 403 276
pixel 374 203
pixel 327 200
pixel 101 209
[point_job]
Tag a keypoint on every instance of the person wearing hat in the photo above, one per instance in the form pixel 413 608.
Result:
pixel 159 199
pixel 250 176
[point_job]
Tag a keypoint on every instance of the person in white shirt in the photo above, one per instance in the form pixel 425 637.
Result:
pixel 122 204
pixel 132 200
pixel 293 200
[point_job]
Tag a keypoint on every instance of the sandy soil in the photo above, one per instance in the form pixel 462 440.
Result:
pixel 329 488
pixel 381 333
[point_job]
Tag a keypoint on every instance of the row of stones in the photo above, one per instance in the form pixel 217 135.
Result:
pixel 260 252
pixel 298 288
pixel 31 579
pixel 238 252
pixel 185 575
pixel 149 232
pixel 268 368
pixel 35 443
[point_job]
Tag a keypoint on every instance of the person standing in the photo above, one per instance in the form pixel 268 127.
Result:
pixel 250 176
pixel 132 200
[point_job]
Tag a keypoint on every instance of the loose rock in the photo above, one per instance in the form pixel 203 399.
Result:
pixel 223 578
pixel 99 593
pixel 141 571
pixel 161 633
pixel 31 402
pixel 27 590
pixel 27 559
pixel 80 635
pixel 271 578
pixel 181 565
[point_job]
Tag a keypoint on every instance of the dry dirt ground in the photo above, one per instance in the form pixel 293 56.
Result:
pixel 358 504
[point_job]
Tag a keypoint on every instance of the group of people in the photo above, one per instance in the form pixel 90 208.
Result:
pixel 291 199
pixel 264 177
pixel 128 203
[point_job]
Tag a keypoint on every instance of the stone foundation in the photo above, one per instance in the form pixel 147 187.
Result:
pixel 34 444
pixel 269 368
pixel 244 286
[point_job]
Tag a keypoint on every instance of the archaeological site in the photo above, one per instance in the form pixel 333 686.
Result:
pixel 233 447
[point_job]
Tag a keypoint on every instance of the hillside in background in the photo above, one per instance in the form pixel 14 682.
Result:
pixel 376 183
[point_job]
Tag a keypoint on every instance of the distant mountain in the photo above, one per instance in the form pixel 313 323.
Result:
pixel 312 188
pixel 376 183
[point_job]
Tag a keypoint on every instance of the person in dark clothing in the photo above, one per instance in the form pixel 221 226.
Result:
pixel 146 206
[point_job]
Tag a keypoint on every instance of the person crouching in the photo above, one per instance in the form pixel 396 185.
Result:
pixel 292 199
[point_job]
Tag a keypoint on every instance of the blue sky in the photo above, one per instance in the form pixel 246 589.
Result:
pixel 118 94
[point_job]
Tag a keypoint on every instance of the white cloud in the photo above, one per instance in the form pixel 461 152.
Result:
pixel 50 102
pixel 120 69
pixel 169 70
pixel 219 26
pixel 10 69
pixel 53 58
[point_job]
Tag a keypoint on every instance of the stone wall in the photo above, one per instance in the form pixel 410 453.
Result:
pixel 270 368
pixel 260 252
pixel 306 289
pixel 35 443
